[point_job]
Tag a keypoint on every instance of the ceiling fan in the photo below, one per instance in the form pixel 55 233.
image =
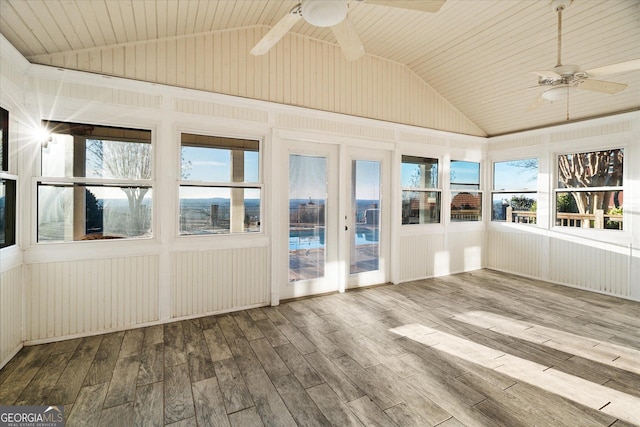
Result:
pixel 563 77
pixel 333 14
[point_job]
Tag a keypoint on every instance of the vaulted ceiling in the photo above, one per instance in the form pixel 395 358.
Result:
pixel 477 54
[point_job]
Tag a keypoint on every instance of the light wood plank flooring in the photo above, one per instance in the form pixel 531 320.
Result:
pixel 474 349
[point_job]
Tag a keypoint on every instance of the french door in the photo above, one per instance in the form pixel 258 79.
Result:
pixel 368 187
pixel 338 217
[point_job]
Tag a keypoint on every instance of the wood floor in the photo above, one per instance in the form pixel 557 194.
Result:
pixel 481 348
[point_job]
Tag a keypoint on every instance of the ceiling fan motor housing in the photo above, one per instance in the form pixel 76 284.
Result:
pixel 324 13
pixel 564 74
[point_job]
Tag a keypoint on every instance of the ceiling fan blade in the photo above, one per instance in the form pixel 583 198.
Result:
pixel 601 86
pixel 621 67
pixel 276 33
pixel 548 74
pixel 348 39
pixel 536 102
pixel 431 6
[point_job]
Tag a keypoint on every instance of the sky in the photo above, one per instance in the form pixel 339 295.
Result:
pixel 214 165
pixel 308 173
pixel 367 180
pixel 513 175
pixel 307 177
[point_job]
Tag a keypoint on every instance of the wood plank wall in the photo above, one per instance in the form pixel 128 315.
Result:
pixel 11 312
pixel 90 296
pixel 297 71
pixel 418 256
pixel 600 267
pixel 515 252
pixel 219 280
pixel 428 255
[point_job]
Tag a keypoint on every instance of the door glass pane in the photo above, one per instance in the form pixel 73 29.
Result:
pixel 365 228
pixel 307 213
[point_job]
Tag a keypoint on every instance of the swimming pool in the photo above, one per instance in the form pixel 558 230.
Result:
pixel 305 238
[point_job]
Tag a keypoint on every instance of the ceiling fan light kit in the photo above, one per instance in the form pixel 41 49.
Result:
pixel 557 93
pixel 324 13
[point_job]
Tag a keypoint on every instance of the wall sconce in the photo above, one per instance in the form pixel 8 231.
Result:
pixel 44 136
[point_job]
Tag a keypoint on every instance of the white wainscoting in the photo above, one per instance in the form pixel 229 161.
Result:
pixel 219 280
pixel 439 254
pixel 90 296
pixel 515 252
pixel 597 266
pixel 466 251
pixel 421 256
pixel 11 313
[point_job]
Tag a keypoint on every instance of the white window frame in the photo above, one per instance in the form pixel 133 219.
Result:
pixel 479 191
pixel 556 189
pixel 437 189
pixel 6 164
pixel 89 181
pixel 512 190
pixel 259 185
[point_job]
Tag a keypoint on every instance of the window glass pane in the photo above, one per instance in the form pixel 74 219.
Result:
pixel 590 209
pixel 208 210
pixel 307 215
pixel 218 159
pixel 466 206
pixel 465 175
pixel 7 212
pixel 592 169
pixel 365 229
pixel 117 160
pixel 420 207
pixel 251 167
pixel 77 150
pixel 206 164
pixel 419 172
pixel 523 207
pixel 107 212
pixel 516 175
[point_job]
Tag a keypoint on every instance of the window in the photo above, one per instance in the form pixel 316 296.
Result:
pixel 7 187
pixel 420 191
pixel 7 212
pixel 220 191
pixel 514 197
pixel 95 183
pixel 466 199
pixel 589 189
pixel 4 143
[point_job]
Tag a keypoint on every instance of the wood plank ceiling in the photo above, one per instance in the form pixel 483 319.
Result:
pixel 476 54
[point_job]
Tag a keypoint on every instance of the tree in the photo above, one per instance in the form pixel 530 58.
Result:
pixel 592 169
pixel 566 203
pixel 125 160
pixel 522 203
pixel 93 214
